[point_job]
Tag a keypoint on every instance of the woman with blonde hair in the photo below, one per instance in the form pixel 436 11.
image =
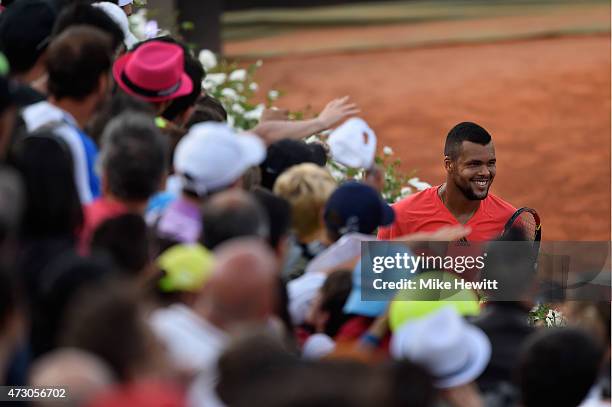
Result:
pixel 307 187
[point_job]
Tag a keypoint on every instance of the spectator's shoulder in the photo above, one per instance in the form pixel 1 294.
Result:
pixel 39 114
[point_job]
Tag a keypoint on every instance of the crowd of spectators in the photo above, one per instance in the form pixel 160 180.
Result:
pixel 154 256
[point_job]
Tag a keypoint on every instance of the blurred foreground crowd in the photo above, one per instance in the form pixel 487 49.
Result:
pixel 152 256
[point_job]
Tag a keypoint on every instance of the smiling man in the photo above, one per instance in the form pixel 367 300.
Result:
pixel 469 160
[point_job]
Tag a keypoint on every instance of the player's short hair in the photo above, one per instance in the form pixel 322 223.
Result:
pixel 465 131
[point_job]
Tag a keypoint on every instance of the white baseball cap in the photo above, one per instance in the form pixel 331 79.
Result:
pixel 353 144
pixel 123 3
pixel 212 156
pixel 453 351
pixel 119 17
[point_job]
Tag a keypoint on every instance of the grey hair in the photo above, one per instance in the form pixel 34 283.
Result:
pixel 133 157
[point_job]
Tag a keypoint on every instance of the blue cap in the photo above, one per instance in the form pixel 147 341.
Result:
pixel 356 207
pixel 355 305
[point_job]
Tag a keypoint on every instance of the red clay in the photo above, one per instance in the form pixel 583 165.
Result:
pixel 546 103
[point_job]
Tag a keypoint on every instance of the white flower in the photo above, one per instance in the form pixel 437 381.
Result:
pixel 216 78
pixel 311 139
pixel 259 63
pixel 254 86
pixel 256 113
pixel 238 75
pixel 387 150
pixel 554 318
pixel 207 58
pixel 405 191
pixel 237 108
pixel 229 93
pixel 273 94
pixel 213 80
pixel 337 174
pixel 418 184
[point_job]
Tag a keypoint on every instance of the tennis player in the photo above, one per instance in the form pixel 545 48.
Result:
pixel 464 199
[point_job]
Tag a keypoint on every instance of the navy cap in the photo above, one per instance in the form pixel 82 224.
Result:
pixel 25 31
pixel 356 207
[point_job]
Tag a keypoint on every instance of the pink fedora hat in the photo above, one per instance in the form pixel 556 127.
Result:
pixel 153 72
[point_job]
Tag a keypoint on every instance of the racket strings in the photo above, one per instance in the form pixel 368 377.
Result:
pixel 526 223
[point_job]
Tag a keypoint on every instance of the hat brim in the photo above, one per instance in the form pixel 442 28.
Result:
pixel 118 67
pixel 478 349
pixel 253 149
pixel 388 214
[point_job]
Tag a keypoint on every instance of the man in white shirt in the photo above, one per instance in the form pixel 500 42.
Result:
pixel 78 64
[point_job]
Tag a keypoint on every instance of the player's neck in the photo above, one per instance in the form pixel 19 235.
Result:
pixel 456 203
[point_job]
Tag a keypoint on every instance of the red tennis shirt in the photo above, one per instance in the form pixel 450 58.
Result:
pixel 425 212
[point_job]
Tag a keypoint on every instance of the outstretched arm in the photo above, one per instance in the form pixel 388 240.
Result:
pixel 335 111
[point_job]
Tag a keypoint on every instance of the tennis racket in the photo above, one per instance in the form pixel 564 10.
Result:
pixel 528 222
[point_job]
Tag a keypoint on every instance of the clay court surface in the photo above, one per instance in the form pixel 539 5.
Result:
pixel 545 101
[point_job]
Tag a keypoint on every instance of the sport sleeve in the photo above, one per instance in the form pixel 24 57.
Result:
pixel 387 233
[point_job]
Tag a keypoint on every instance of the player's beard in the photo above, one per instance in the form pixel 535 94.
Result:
pixel 468 192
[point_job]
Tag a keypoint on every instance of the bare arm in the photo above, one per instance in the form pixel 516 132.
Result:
pixel 335 111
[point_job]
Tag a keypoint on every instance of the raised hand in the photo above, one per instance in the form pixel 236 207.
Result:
pixel 336 111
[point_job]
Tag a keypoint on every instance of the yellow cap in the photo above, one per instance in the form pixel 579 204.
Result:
pixel 409 305
pixel 187 268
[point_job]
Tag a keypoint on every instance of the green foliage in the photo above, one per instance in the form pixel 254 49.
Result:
pixel 234 87
pixel 396 181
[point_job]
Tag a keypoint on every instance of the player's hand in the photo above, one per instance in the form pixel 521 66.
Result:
pixel 336 111
pixel 444 234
